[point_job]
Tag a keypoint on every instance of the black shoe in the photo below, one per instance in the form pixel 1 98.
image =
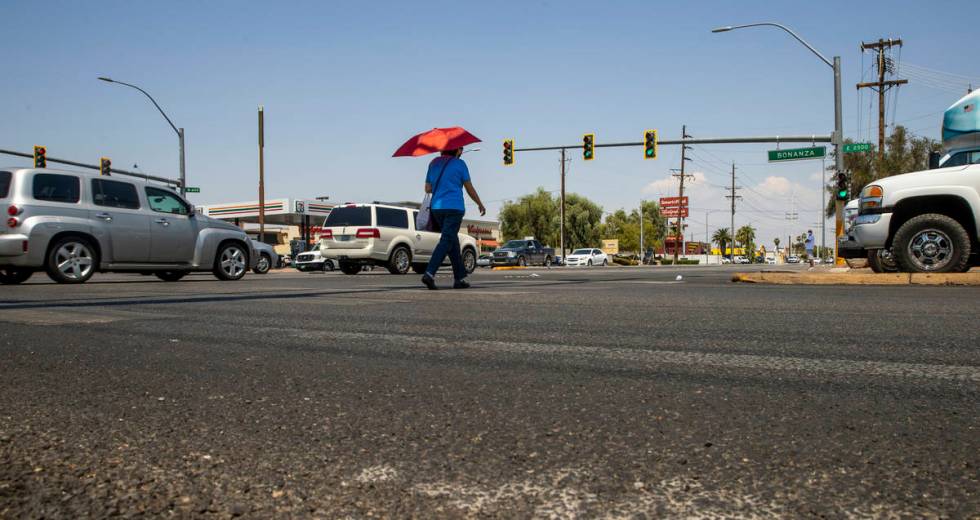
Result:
pixel 429 282
pixel 461 284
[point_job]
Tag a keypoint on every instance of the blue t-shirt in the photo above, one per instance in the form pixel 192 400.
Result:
pixel 449 193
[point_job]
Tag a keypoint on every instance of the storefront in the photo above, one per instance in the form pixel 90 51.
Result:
pixel 486 233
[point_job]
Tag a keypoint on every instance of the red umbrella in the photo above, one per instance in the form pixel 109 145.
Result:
pixel 436 140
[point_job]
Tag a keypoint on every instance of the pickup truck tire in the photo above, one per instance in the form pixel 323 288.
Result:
pixel 882 261
pixel 327 266
pixel 400 261
pixel 547 261
pixel 14 276
pixel 348 268
pixel 932 243
pixel 521 261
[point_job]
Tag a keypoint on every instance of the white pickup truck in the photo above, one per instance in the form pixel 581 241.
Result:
pixel 927 220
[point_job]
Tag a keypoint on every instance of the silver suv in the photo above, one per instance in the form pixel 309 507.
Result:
pixel 72 224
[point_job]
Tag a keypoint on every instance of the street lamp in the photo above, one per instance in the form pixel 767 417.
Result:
pixel 838 123
pixel 180 131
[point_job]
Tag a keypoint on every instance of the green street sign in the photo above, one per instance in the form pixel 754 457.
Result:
pixel 857 147
pixel 192 190
pixel 797 154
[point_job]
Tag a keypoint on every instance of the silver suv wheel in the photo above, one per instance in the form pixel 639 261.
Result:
pixel 74 260
pixel 231 263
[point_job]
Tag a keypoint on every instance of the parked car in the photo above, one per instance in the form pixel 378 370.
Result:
pixel 358 235
pixel 484 260
pixel 312 260
pixel 74 224
pixel 267 257
pixel 726 260
pixel 587 257
pixel 792 259
pixel 742 260
pixel 523 253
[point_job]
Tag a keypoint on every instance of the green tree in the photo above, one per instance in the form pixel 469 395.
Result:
pixel 746 237
pixel 583 222
pixel 535 214
pixel 903 153
pixel 625 227
pixel 722 237
pixel 776 241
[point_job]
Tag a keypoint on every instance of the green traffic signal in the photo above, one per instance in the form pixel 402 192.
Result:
pixel 650 144
pixel 588 147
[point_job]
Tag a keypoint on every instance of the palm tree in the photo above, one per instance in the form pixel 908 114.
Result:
pixel 722 237
pixel 746 236
pixel 776 241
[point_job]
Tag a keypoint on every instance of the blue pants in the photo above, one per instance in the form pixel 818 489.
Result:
pixel 449 221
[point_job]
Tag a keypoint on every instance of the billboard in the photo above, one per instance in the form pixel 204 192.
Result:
pixel 610 247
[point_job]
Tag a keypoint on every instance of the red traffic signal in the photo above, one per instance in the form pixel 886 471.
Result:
pixel 40 157
pixel 508 152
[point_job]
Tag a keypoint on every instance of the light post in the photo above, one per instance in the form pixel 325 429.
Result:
pixel 838 123
pixel 180 131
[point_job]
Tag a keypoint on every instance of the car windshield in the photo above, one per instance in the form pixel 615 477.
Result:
pixel 581 251
pixel 514 244
pixel 349 216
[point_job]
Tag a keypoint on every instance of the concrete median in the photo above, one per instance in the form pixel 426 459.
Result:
pixel 857 278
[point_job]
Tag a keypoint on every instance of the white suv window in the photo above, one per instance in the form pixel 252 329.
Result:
pixel 394 218
pixel 4 184
pixel 349 216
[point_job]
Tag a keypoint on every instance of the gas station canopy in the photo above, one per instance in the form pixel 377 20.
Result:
pixel 285 212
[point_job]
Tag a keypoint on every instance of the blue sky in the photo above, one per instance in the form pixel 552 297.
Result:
pixel 345 83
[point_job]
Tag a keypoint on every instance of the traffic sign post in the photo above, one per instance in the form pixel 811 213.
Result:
pixel 674 212
pixel 857 147
pixel 668 202
pixel 798 154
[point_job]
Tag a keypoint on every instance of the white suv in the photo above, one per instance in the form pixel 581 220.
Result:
pixel 356 235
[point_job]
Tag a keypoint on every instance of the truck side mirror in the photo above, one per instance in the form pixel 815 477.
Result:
pixel 933 160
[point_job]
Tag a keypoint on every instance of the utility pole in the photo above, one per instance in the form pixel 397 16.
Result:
pixel 261 173
pixel 641 232
pixel 561 226
pixel 679 231
pixel 884 64
pixel 733 196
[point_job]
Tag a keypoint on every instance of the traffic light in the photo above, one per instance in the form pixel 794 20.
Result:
pixel 105 166
pixel 650 144
pixel 841 190
pixel 40 157
pixel 508 152
pixel 588 147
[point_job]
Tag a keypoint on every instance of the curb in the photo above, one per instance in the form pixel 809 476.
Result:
pixel 787 278
pixel 507 268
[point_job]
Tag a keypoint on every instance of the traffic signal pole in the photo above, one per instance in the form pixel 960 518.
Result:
pixel 162 180
pixel 561 225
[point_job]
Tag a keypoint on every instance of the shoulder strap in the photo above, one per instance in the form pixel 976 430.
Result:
pixel 439 178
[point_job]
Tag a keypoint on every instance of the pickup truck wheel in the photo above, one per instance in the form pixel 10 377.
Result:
pixel 348 268
pixel 14 276
pixel 327 266
pixel 469 261
pixel 230 263
pixel 521 261
pixel 882 261
pixel 400 261
pixel 547 261
pixel 71 260
pixel 263 265
pixel 932 243
pixel 170 276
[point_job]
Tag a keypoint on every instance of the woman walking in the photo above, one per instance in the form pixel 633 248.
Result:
pixel 445 180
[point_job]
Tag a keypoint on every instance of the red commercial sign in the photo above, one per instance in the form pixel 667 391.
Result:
pixel 673 202
pixel 674 212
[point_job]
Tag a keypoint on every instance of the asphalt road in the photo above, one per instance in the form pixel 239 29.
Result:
pixel 564 393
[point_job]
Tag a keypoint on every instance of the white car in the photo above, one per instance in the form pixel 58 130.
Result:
pixel 358 235
pixel 312 261
pixel 792 259
pixel 587 257
pixel 741 260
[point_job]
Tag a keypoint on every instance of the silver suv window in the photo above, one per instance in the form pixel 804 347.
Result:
pixel 4 184
pixel 114 194
pixel 57 188
pixel 162 201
